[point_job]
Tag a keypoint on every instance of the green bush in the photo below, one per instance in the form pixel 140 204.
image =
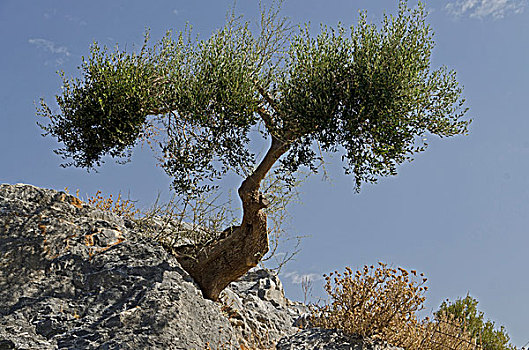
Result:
pixel 484 331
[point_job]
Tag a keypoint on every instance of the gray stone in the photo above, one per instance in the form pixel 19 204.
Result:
pixel 257 308
pixel 329 339
pixel 74 277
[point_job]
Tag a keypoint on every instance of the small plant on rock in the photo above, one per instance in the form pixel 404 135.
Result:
pixel 125 208
pixel 372 301
pixel 381 304
pixel 118 206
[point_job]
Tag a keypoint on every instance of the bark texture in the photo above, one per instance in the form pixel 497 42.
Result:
pixel 218 264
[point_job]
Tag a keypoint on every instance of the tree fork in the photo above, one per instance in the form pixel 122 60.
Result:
pixel 224 261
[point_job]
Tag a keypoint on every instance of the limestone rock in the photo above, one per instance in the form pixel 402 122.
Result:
pixel 74 277
pixel 258 310
pixel 329 339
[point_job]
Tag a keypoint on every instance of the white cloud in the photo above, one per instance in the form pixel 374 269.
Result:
pixel 297 278
pixel 61 52
pixel 49 14
pixel 50 46
pixel 485 8
pixel 75 20
pixel 175 12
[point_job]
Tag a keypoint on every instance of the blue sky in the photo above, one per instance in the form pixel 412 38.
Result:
pixel 458 213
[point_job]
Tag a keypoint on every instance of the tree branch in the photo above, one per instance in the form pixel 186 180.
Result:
pixel 267 118
pixel 252 183
pixel 269 99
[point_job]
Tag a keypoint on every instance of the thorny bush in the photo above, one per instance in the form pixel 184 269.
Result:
pixel 370 301
pixel 118 206
pixel 381 304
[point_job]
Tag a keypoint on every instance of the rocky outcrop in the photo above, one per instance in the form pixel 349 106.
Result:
pixel 75 277
pixel 258 310
pixel 329 339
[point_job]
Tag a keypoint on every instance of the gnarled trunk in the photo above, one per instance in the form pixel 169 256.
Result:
pixel 224 261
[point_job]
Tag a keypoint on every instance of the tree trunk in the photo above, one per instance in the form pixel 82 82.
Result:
pixel 218 264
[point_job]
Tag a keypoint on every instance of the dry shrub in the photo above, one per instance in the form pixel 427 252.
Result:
pixel 445 332
pixel 196 220
pixel 381 304
pixel 371 301
pixel 124 208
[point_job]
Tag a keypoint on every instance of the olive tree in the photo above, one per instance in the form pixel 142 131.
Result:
pixel 366 92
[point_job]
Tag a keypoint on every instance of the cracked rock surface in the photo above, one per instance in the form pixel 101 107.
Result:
pixel 257 308
pixel 329 339
pixel 75 277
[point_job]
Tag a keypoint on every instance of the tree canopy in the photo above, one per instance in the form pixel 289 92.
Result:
pixel 366 92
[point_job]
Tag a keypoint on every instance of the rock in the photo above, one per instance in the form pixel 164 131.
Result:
pixel 329 339
pixel 74 277
pixel 258 310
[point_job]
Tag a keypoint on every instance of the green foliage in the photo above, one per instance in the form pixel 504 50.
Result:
pixel 104 112
pixel 368 93
pixel 371 91
pixel 466 309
